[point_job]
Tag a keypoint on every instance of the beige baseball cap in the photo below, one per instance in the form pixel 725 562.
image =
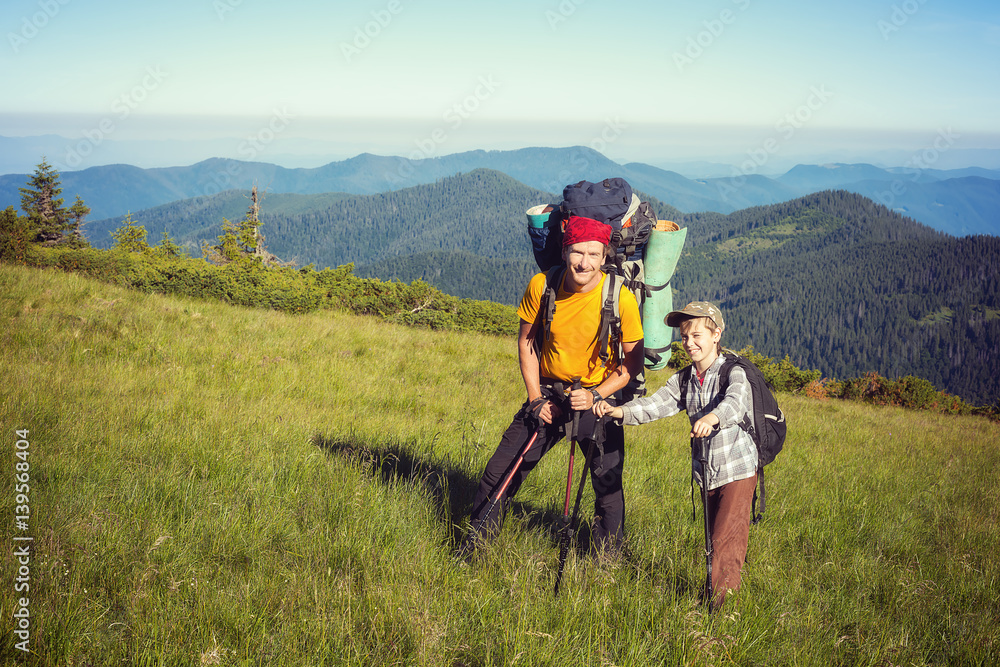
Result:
pixel 696 309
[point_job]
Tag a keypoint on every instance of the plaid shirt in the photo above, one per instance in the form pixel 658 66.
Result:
pixel 732 455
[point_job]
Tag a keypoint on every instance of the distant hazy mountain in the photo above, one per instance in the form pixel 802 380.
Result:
pixel 959 206
pixel 805 178
pixel 937 198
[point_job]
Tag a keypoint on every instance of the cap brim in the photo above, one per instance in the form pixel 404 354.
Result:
pixel 674 318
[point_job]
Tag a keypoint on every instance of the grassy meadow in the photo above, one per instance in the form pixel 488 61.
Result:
pixel 212 485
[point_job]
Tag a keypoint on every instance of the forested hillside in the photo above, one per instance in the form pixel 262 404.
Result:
pixel 833 280
pixel 846 286
pixel 188 221
pixel 461 274
pixel 837 282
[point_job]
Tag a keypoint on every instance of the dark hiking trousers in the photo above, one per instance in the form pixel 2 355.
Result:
pixel 606 476
pixel 729 508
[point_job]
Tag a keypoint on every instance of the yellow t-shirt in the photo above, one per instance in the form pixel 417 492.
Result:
pixel 572 346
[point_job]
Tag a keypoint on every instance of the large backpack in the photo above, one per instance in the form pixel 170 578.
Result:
pixel 766 426
pixel 612 202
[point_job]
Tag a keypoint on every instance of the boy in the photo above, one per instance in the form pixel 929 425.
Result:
pixel 732 458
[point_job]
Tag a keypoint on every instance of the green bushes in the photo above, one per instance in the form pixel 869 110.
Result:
pixel 783 375
pixel 907 392
pixel 246 281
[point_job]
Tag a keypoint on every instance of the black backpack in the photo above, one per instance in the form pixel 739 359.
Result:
pixel 612 202
pixel 607 201
pixel 766 426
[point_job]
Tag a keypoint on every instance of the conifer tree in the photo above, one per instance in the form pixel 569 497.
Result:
pixel 77 212
pixel 15 236
pixel 241 240
pixel 167 247
pixel 130 237
pixel 42 204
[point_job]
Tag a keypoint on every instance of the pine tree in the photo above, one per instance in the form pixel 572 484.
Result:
pixel 130 236
pixel 168 248
pixel 241 240
pixel 77 212
pixel 41 202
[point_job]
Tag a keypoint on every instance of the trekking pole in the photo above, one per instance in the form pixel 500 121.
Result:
pixel 567 529
pixel 703 460
pixel 498 494
pixel 576 511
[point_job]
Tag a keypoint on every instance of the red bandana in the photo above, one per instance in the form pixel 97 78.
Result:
pixel 581 230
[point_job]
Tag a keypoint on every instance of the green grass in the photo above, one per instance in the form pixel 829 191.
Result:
pixel 219 485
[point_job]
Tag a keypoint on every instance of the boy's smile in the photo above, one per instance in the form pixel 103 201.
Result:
pixel 700 342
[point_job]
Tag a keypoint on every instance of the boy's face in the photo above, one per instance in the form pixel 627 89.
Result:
pixel 700 340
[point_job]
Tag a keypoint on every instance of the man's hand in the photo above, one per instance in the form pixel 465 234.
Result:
pixel 545 410
pixel 581 399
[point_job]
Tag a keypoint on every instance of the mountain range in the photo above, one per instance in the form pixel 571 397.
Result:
pixel 959 202
pixel 834 280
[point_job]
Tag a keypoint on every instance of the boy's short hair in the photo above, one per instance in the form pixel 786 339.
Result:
pixel 693 310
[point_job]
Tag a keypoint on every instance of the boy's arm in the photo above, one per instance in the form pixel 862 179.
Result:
pixel 666 402
pixel 704 426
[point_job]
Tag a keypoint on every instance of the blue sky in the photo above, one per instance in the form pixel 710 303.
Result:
pixel 638 80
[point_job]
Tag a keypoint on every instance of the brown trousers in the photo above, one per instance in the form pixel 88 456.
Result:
pixel 729 508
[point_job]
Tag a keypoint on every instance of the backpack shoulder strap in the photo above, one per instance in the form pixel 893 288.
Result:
pixel 731 360
pixel 547 307
pixel 685 378
pixel 609 332
pixel 749 424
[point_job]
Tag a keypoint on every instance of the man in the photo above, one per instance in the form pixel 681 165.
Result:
pixel 569 349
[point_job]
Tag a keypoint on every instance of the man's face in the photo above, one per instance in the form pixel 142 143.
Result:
pixel 583 264
pixel 699 340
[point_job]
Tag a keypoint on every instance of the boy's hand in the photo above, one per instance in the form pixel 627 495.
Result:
pixel 602 408
pixel 704 426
